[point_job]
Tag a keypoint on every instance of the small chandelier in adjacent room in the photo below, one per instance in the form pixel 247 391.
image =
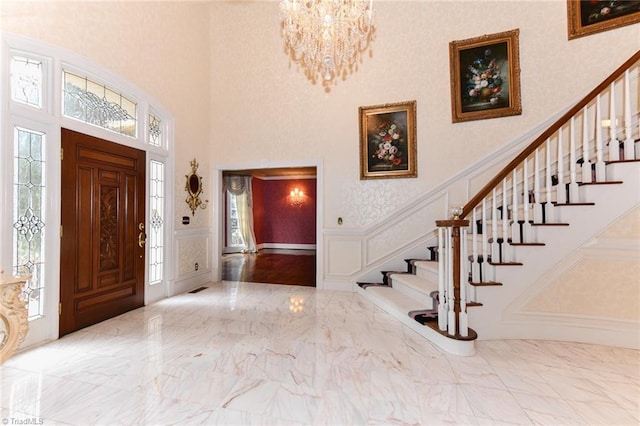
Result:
pixel 328 37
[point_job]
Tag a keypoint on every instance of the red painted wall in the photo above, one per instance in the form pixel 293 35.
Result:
pixel 275 220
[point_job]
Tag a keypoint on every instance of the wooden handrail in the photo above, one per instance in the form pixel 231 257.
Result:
pixel 476 199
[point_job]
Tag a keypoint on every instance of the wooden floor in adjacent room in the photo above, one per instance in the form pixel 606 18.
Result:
pixel 294 267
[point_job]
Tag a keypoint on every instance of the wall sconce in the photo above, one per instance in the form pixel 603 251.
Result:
pixel 295 197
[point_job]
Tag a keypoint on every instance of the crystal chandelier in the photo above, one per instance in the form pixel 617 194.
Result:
pixel 328 37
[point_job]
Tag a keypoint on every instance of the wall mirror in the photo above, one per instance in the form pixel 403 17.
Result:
pixel 193 187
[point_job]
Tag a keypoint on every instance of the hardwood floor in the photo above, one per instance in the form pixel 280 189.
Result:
pixel 294 267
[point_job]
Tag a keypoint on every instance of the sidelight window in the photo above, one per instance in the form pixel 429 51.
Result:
pixel 28 214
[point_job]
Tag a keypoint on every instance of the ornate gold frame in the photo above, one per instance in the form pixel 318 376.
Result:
pixel 400 159
pixel 577 29
pixel 193 186
pixel 502 48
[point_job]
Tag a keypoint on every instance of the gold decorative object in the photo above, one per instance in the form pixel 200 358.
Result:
pixel 13 315
pixel 194 189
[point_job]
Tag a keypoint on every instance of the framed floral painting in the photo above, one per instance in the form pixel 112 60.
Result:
pixel 485 77
pixel 388 141
pixel 593 16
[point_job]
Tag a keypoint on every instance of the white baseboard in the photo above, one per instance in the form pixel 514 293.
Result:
pixel 285 246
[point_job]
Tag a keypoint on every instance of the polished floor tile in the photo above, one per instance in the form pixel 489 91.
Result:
pixel 261 354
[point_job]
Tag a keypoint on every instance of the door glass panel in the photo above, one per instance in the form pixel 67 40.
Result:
pixel 26 81
pixel 155 131
pixel 28 214
pixel 156 231
pixel 97 104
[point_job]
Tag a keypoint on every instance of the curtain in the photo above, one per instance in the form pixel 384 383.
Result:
pixel 240 186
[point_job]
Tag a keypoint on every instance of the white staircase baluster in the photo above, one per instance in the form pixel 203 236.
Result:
pixel 515 213
pixel 561 190
pixel 537 206
pixel 526 201
pixel 573 184
pixel 629 149
pixel 484 267
pixel 586 163
pixel 475 266
pixel 549 207
pixel 464 282
pixel 494 226
pixel 600 166
pixel 451 298
pixel 442 306
pixel 505 219
pixel 614 145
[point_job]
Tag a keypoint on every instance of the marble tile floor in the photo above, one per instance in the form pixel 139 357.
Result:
pixel 256 354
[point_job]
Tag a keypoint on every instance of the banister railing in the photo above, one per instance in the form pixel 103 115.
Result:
pixel 476 199
pixel 526 192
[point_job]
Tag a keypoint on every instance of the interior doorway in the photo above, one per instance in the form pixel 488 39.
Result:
pixel 102 260
pixel 285 232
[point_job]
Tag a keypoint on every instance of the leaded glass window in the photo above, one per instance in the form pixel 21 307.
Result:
pixel 156 235
pixel 28 214
pixel 26 80
pixel 95 103
pixel 155 131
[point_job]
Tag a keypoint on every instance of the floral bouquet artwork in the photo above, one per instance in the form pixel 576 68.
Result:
pixel 387 135
pixel 388 146
pixel 485 77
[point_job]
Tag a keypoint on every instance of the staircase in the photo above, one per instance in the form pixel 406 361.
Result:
pixel 577 177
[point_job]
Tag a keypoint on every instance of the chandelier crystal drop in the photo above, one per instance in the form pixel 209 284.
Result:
pixel 328 37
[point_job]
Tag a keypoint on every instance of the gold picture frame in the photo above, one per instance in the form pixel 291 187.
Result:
pixel 485 77
pixel 388 145
pixel 586 18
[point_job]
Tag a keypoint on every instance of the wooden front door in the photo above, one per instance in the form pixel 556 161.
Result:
pixel 102 258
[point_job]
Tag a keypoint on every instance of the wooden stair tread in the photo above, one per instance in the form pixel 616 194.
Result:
pixel 473 304
pixel 485 283
pixel 434 325
pixel 527 244
pixel 613 182
pixel 573 204
pixel 505 263
pixel 549 224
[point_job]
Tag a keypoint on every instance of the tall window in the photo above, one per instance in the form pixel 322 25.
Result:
pixel 29 208
pixel 234 237
pixel 156 226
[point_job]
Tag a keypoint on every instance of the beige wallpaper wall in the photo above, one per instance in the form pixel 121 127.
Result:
pixel 267 110
pixel 161 47
pixel 600 280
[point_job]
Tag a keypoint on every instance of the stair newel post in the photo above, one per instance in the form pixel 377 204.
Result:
pixel 614 146
pixel 549 212
pixel 573 184
pixel 629 149
pixel 454 272
pixel 442 290
pixel 600 166
pixel 538 213
pixel 586 163
pixel 561 190
pixel 463 319
pixel 451 294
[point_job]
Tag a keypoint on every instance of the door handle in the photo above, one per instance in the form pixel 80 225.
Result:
pixel 142 237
